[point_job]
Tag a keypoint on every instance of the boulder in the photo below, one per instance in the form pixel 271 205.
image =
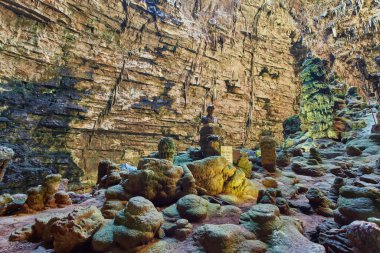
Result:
pixel 290 238
pixel 357 203
pixel 365 169
pixel 308 170
pixel 214 175
pixel 11 204
pixel 319 202
pixel 245 165
pixel 210 140
pixel 274 197
pixel 136 225
pixel 62 199
pixel 179 229
pixel 159 181
pixel 227 238
pixel 359 236
pixel 47 195
pixel 333 194
pixel 6 155
pixel 296 152
pixel 196 209
pixel 283 159
pixel 22 234
pixel 262 220
pixel 111 207
pixel 75 229
pixel 269 182
pixel 268 153
pixel 353 151
pixel 108 174
pixel 282 234
pixel 167 148
pixel 155 179
pixel 315 155
pixel 193 208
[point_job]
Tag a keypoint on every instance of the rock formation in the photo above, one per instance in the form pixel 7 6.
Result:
pixel 268 153
pixel 66 233
pixel 108 174
pixel 197 209
pixel 357 203
pixel 227 238
pixel 167 149
pixel 281 234
pixel 47 195
pixel 6 154
pixel 158 180
pixel 320 203
pixel 214 175
pixel 359 236
pixel 134 226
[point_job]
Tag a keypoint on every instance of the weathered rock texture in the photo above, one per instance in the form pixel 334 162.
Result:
pixel 88 80
pixel 6 155
pixel 345 32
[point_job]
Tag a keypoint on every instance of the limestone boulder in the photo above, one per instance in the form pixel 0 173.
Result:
pixel 108 174
pixel 136 225
pixel 227 238
pixel 262 220
pixel 10 204
pixel 353 151
pixel 211 140
pixel 245 164
pixel 214 175
pixel 75 229
pixel 155 179
pixel 357 203
pixel 22 234
pixel 290 238
pixel 319 202
pixel 268 153
pixel 167 148
pixel 274 197
pixel 159 181
pixel 359 236
pixel 282 234
pixel 195 209
pixel 179 229
pixel 47 195
pixel 305 169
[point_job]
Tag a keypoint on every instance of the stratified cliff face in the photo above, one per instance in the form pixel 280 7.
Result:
pixel 86 80
pixel 346 32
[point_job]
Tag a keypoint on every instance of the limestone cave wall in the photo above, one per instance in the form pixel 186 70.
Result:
pixel 85 80
pixel 345 32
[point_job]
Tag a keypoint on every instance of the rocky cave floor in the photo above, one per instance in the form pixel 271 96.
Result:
pixel 307 182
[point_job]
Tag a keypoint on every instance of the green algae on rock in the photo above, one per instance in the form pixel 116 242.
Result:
pixel 317 101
